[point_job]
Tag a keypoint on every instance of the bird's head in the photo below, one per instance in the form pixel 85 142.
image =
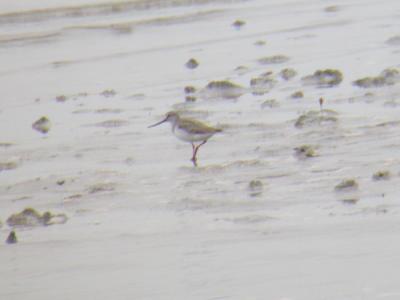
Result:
pixel 171 117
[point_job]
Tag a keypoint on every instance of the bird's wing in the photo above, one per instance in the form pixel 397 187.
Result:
pixel 196 127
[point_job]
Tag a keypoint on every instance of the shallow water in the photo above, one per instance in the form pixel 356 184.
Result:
pixel 143 222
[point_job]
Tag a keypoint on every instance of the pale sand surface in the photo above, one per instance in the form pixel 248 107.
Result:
pixel 143 222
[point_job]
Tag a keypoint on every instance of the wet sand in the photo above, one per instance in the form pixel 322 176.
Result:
pixel 260 218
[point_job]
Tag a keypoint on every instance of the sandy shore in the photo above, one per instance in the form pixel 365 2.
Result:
pixel 292 201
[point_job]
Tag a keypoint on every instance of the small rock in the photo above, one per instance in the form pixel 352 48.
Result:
pixel 305 151
pixel 260 43
pixel 12 238
pixel 347 191
pixel 324 78
pixel 347 185
pixel 73 197
pixel 29 217
pixel 287 73
pixel 190 98
pixel 255 187
pixel 112 123
pixel 129 161
pixel 9 165
pixel 122 28
pixel 223 85
pixel 137 96
pixel 61 98
pixel 351 201
pixel 61 182
pixel 192 64
pixel 102 187
pixel 6 145
pixel 297 95
pixel 238 24
pixel 312 118
pixel 108 93
pixel 381 175
pixel 222 89
pixel 190 89
pixel 42 125
pixel 368 82
pixel 394 41
pixel 262 84
pixel 386 77
pixel 275 59
pixel 108 111
pixel 333 8
pixel 270 103
pixel 241 70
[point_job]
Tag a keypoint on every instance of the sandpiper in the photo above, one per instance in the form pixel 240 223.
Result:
pixel 189 130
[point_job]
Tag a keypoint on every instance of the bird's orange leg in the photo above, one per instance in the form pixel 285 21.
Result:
pixel 195 149
pixel 193 159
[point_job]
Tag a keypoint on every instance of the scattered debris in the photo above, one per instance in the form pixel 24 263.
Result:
pixel 12 238
pixel 29 217
pixel 347 191
pixel 102 187
pixel 260 43
pixel 108 93
pixel 73 197
pixel 60 182
pixel 381 175
pixel 287 73
pixel 6 145
pixel 316 118
pixel 192 64
pixel 333 8
pixel 190 98
pixel 112 123
pixel 122 28
pixel 61 98
pixel 394 41
pixel 386 77
pixel 222 89
pixel 391 103
pixel 129 161
pixel 223 84
pixel 137 96
pixel 190 89
pixel 324 78
pixel 108 111
pixel 275 59
pixel 262 84
pixel 350 200
pixel 347 185
pixel 9 165
pixel 241 70
pixel 250 219
pixel 255 187
pixel 305 151
pixel 270 103
pixel 238 24
pixel 42 125
pixel 297 95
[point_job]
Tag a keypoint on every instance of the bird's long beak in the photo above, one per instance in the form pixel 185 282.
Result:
pixel 158 123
